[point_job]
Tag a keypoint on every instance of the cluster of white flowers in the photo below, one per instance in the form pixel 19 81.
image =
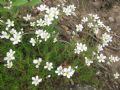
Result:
pixel 11 33
pixel 48 66
pixel 114 58
pixel 16 37
pixel 51 14
pixel 59 70
pixel 69 10
pixel 37 62
pixel 9 58
pixel 88 61
pixel 106 38
pixel 36 80
pixel 68 72
pixel 94 23
pixel 80 48
pixel 42 7
pixel 42 34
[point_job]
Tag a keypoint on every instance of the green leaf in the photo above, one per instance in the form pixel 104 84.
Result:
pixel 19 2
pixel 33 2
pixel 2 2
pixel 2 10
pixel 26 2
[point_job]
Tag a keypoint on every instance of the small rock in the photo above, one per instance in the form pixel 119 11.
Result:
pixel 111 19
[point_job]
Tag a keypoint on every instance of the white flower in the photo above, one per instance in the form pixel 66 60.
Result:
pixel 42 7
pixel 95 17
pixel 36 80
pixel 32 41
pixel 74 33
pixel 37 62
pixel 80 48
pixel 88 62
pixel 59 70
pixel 79 27
pixel 32 24
pixel 55 40
pixel 38 32
pixel 48 20
pixel 100 23
pixel 101 58
pixel 106 38
pixel 4 35
pixel 116 75
pixel 16 38
pixel 49 66
pixel 48 76
pixel 53 12
pixel 49 17
pixel 100 48
pixel 43 34
pixel 76 67
pixel 85 19
pixel 90 25
pixel 68 72
pixel 9 64
pixel 108 29
pixel 13 31
pixel 40 22
pixel 10 23
pixel 10 55
pixel 27 18
pixel 94 53
pixel 114 58
pixel 69 10
pixel 6 28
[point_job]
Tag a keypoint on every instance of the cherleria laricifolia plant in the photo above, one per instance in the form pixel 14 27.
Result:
pixel 34 54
